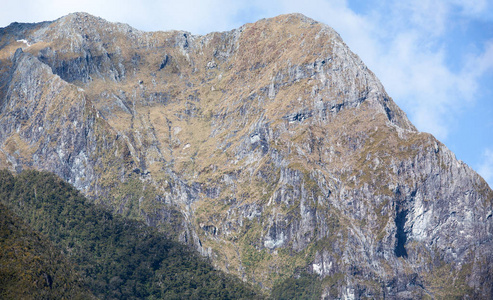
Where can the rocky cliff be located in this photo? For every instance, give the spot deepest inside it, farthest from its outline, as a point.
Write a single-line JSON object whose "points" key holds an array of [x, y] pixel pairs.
{"points": [[271, 148]]}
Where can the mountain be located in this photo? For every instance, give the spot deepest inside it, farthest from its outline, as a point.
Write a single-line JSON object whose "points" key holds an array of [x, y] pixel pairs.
{"points": [[271, 148]]}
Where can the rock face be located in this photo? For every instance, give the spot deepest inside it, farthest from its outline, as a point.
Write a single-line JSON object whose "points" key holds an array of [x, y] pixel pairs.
{"points": [[271, 148]]}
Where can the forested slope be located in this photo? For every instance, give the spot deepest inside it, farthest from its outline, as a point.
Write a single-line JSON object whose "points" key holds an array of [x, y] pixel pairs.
{"points": [[117, 258], [31, 267]]}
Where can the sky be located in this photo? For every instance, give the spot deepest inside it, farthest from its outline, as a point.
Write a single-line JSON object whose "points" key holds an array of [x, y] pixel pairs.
{"points": [[434, 57]]}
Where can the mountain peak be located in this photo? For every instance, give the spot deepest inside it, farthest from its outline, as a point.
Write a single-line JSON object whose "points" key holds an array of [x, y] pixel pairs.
{"points": [[294, 18], [79, 16]]}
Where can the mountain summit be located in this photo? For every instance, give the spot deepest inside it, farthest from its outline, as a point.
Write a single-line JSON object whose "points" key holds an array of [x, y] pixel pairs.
{"points": [[270, 148]]}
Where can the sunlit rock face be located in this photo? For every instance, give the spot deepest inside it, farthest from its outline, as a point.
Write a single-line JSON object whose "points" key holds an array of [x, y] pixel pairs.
{"points": [[271, 148]]}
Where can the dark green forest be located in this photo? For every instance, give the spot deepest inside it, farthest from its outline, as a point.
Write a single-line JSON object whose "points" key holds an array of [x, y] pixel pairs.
{"points": [[31, 267], [115, 257]]}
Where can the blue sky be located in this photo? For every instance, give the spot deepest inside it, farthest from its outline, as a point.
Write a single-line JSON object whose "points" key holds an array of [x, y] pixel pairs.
{"points": [[434, 57]]}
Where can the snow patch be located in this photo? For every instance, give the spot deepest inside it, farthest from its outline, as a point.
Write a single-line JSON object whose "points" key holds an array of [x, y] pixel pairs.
{"points": [[24, 41]]}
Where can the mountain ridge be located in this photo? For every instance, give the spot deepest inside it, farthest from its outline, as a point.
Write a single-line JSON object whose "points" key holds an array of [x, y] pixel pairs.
{"points": [[270, 147]]}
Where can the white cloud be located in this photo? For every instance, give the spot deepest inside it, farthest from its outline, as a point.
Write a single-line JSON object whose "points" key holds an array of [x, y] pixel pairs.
{"points": [[426, 15], [473, 8], [485, 169], [479, 64]]}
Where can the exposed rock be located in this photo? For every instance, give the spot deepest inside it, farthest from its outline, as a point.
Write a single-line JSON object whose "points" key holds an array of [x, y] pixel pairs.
{"points": [[271, 148]]}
